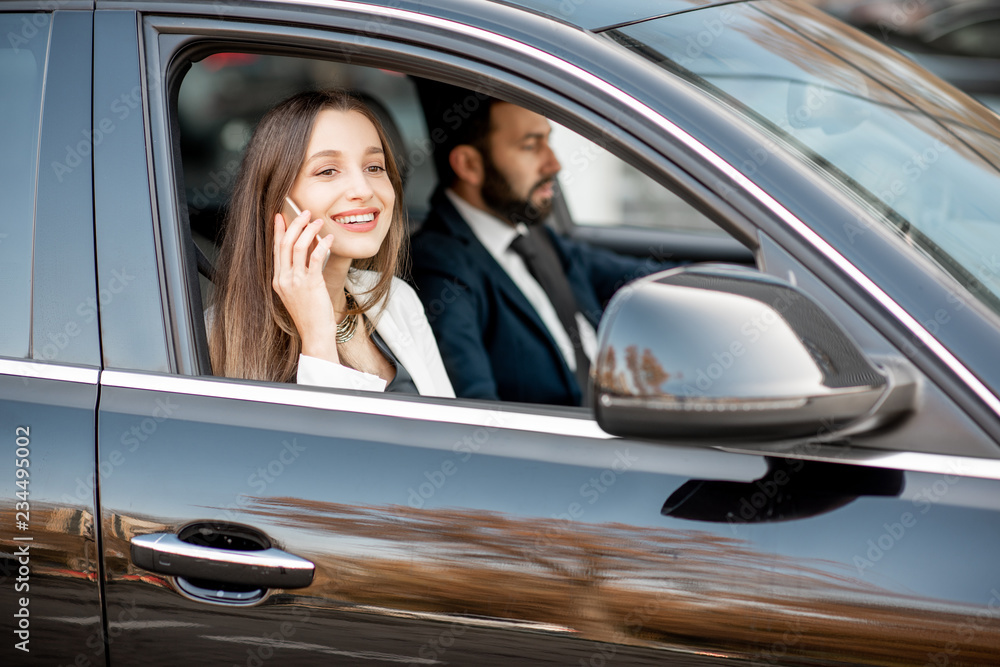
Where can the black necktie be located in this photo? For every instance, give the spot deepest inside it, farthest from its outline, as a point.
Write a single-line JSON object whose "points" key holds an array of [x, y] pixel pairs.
{"points": [[535, 248]]}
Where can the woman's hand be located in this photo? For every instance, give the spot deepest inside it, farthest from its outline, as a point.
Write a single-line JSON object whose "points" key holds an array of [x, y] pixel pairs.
{"points": [[298, 280]]}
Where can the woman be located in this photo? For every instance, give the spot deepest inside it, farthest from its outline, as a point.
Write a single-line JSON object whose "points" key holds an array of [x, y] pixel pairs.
{"points": [[313, 296]]}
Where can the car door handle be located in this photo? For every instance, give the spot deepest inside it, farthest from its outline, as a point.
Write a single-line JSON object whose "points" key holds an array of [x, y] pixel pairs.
{"points": [[166, 553]]}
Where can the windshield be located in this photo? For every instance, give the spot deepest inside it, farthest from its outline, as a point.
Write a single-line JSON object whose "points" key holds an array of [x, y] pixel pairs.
{"points": [[924, 157]]}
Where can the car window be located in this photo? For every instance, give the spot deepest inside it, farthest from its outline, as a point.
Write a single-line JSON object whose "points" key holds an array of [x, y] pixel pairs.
{"points": [[22, 66], [222, 98], [604, 191]]}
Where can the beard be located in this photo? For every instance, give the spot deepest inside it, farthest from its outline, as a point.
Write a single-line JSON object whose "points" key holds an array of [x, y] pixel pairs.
{"points": [[501, 198]]}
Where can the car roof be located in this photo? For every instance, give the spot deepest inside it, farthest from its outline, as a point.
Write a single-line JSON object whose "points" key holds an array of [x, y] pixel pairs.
{"points": [[592, 15], [600, 15]]}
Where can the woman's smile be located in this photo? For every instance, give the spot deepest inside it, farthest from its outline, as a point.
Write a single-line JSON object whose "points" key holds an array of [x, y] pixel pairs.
{"points": [[358, 220]]}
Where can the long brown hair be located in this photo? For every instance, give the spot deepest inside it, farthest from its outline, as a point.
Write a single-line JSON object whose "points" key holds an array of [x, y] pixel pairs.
{"points": [[252, 335]]}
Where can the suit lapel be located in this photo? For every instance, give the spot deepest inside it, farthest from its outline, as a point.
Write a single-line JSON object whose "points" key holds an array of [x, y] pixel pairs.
{"points": [[452, 222], [447, 219], [396, 337]]}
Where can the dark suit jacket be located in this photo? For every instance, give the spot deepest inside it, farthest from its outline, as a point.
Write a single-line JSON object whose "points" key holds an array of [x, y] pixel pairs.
{"points": [[493, 343]]}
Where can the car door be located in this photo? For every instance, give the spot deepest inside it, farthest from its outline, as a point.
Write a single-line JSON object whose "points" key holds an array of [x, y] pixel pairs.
{"points": [[49, 345], [467, 532]]}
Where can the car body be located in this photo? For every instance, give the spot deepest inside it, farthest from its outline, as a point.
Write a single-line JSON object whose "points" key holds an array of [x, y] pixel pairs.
{"points": [[156, 514]]}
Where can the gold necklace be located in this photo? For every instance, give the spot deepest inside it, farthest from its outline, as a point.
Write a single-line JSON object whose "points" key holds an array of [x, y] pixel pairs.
{"points": [[345, 330]]}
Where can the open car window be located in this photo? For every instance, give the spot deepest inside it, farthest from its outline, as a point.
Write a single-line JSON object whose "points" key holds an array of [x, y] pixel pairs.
{"points": [[223, 96]]}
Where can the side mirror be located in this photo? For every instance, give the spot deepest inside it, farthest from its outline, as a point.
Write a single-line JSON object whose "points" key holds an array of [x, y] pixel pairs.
{"points": [[726, 352]]}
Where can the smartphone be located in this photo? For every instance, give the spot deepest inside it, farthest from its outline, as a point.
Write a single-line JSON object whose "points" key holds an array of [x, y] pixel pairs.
{"points": [[290, 206], [290, 211]]}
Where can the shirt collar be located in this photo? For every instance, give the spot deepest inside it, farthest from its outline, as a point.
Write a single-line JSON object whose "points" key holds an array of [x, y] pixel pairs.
{"points": [[495, 234]]}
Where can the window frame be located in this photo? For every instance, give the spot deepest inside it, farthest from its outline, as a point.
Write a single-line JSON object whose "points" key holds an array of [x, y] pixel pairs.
{"points": [[205, 36]]}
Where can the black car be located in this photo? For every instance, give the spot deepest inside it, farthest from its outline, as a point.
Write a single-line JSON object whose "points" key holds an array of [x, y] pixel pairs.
{"points": [[792, 454]]}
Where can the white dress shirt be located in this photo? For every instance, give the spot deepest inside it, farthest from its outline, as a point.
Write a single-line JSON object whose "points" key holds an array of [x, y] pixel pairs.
{"points": [[496, 236], [401, 322]]}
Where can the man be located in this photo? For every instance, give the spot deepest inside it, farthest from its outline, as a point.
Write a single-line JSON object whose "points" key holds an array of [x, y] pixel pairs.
{"points": [[514, 307]]}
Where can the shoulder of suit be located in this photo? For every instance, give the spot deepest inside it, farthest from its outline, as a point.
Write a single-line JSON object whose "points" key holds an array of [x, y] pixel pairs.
{"points": [[438, 252], [432, 235]]}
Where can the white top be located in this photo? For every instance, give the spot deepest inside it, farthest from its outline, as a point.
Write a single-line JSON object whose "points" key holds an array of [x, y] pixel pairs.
{"points": [[496, 236], [401, 322]]}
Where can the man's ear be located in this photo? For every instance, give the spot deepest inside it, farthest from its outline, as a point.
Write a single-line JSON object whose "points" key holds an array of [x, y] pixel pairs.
{"points": [[467, 163]]}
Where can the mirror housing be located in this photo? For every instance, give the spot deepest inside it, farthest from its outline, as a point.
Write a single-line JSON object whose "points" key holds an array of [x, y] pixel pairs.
{"points": [[716, 351]]}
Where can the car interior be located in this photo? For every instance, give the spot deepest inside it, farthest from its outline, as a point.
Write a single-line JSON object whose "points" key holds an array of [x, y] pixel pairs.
{"points": [[601, 198]]}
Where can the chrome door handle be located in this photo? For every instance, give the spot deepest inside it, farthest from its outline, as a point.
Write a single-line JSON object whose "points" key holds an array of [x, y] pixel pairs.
{"points": [[165, 553]]}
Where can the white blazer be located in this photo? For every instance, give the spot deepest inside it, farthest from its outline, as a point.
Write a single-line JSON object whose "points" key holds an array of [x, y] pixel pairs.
{"points": [[401, 322]]}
